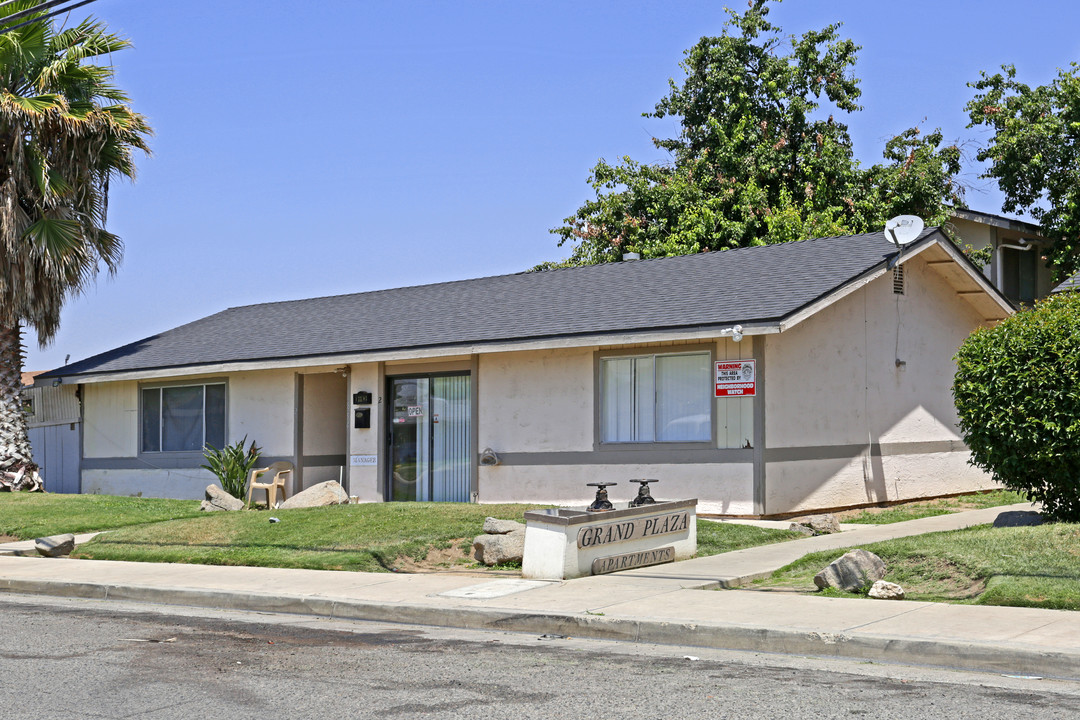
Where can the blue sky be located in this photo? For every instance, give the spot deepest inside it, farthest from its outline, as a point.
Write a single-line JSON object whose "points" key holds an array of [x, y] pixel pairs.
{"points": [[334, 146]]}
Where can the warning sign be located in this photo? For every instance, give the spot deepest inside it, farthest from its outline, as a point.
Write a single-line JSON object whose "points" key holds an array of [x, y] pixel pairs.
{"points": [[736, 378]]}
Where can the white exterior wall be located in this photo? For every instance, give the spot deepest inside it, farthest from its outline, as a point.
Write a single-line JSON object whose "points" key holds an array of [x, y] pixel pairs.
{"points": [[537, 401], [833, 392], [542, 404], [364, 482], [325, 409], [722, 489], [259, 405]]}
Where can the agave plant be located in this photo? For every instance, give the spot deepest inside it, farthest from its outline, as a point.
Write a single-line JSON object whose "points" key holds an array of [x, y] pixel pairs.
{"points": [[232, 465]]}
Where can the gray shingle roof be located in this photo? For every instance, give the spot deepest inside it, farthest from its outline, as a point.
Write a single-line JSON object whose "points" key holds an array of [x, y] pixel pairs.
{"points": [[747, 286]]}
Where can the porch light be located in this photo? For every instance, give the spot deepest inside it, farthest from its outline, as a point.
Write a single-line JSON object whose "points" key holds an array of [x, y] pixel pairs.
{"points": [[735, 333]]}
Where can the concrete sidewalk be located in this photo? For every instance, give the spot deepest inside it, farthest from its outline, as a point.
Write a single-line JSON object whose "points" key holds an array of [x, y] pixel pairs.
{"points": [[663, 604]]}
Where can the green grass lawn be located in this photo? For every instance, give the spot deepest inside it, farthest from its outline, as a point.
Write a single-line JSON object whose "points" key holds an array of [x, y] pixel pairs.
{"points": [[367, 537], [714, 538], [930, 508], [32, 515], [1022, 566]]}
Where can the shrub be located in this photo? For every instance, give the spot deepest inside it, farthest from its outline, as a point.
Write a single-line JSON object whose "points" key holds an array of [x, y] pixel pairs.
{"points": [[1017, 392], [232, 465]]}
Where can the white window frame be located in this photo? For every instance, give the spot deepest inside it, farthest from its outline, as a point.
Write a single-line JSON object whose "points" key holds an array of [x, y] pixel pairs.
{"points": [[162, 453]]}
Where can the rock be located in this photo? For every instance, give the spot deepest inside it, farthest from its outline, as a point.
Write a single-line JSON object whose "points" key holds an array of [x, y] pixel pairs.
{"points": [[822, 524], [218, 499], [499, 549], [495, 526], [56, 545], [883, 590], [1018, 518], [853, 572], [325, 493], [800, 528]]}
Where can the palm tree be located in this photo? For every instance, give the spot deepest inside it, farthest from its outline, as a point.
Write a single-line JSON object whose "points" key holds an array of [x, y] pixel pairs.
{"points": [[65, 132]]}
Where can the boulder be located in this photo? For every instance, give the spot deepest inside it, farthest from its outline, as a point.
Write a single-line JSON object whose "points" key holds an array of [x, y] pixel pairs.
{"points": [[1018, 518], [218, 499], [499, 549], [822, 524], [495, 526], [883, 590], [325, 493], [56, 545], [852, 572], [800, 528]]}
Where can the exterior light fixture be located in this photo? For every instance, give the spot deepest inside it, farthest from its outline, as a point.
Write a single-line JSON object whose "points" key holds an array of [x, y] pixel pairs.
{"points": [[734, 332]]}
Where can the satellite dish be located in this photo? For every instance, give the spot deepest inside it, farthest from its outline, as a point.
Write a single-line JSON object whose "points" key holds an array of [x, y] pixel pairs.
{"points": [[902, 229]]}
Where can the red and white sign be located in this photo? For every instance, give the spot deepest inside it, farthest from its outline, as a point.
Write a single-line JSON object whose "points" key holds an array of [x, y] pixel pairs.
{"points": [[736, 378]]}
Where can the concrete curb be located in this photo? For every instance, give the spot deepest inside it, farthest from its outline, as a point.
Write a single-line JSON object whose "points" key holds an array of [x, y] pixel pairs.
{"points": [[1010, 658]]}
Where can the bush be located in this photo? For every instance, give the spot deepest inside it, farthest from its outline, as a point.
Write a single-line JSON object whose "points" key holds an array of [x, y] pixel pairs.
{"points": [[1017, 392], [232, 465]]}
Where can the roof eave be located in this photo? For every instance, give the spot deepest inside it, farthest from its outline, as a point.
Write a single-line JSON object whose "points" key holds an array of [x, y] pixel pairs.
{"points": [[709, 332]]}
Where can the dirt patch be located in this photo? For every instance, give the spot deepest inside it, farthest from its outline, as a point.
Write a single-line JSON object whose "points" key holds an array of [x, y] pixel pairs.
{"points": [[7, 538], [454, 560]]}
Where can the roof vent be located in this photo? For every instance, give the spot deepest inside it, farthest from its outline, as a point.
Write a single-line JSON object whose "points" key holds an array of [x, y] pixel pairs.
{"points": [[902, 229], [631, 256]]}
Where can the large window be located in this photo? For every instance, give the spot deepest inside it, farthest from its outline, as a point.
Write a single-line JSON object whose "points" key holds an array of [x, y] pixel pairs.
{"points": [[183, 418], [656, 398]]}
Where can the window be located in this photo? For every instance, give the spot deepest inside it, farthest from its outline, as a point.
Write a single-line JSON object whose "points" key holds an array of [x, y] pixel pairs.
{"points": [[656, 398], [183, 418]]}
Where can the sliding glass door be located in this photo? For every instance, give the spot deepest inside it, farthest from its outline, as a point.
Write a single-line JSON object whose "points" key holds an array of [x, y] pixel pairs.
{"points": [[430, 430]]}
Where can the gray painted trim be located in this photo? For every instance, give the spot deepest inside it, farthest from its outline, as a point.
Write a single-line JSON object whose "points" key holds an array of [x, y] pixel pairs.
{"points": [[382, 426], [79, 393], [842, 452], [174, 463], [474, 429], [635, 456], [298, 432], [325, 460], [760, 492]]}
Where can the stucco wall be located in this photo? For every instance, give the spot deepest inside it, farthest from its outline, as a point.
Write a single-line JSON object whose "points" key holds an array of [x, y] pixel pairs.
{"points": [[537, 401], [364, 480], [259, 406], [183, 484], [844, 424], [720, 489], [110, 420]]}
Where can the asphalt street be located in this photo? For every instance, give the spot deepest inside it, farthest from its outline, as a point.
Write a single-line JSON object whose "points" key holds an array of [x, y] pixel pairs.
{"points": [[63, 658]]}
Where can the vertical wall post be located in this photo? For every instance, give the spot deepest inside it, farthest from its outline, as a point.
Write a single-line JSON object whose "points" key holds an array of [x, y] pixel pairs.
{"points": [[760, 493]]}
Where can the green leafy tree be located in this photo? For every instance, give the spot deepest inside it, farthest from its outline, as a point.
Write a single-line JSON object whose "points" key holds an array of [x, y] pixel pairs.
{"points": [[1017, 392], [758, 159], [65, 133], [1034, 153]]}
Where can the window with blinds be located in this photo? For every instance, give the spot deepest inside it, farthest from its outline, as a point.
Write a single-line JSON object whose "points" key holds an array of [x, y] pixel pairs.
{"points": [[656, 398]]}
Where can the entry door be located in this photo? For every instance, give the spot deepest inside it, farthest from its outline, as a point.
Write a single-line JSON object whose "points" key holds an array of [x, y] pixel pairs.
{"points": [[429, 438]]}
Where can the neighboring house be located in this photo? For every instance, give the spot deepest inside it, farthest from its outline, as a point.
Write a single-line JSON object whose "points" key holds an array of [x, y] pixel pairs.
{"points": [[1017, 264], [52, 418], [1072, 283], [573, 376]]}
